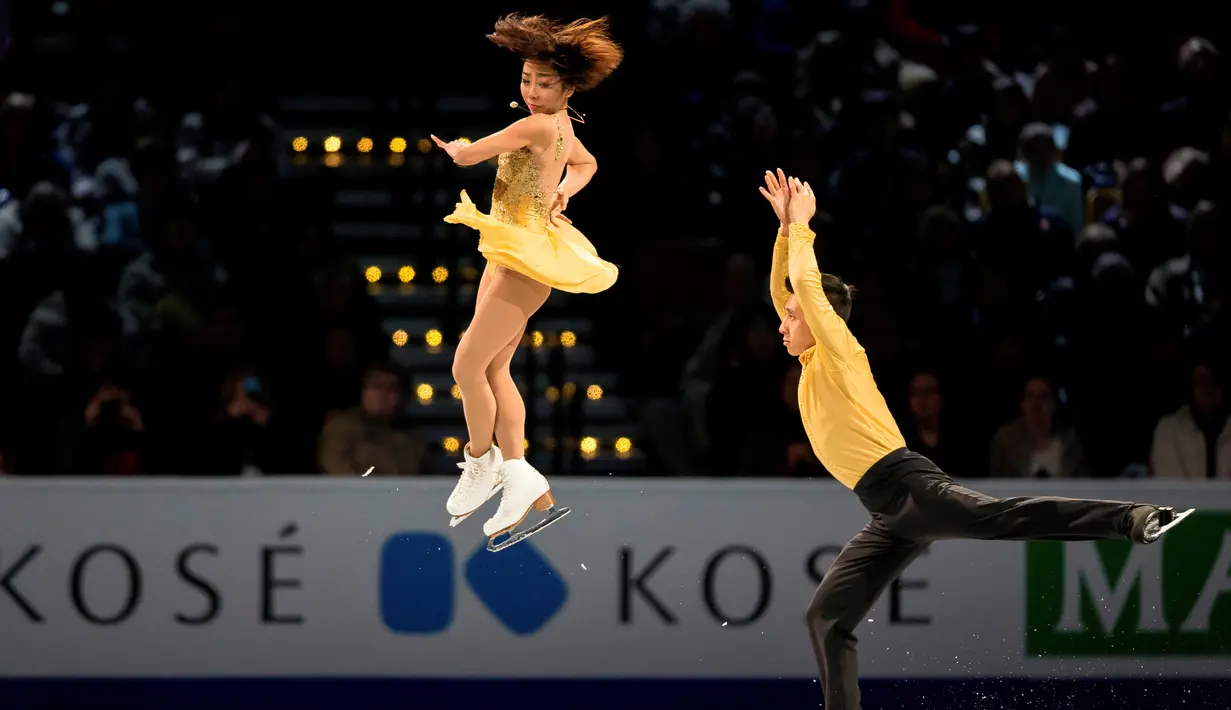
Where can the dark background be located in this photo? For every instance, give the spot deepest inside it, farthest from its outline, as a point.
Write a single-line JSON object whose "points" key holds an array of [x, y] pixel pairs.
{"points": [[880, 105]]}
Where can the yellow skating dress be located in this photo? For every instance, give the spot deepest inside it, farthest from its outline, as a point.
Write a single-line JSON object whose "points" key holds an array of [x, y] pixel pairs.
{"points": [[517, 235]]}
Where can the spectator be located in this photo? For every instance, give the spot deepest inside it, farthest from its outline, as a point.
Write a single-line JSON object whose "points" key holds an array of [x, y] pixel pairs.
{"points": [[242, 442], [1052, 184], [931, 432], [1150, 227], [107, 439], [1034, 445], [369, 435], [1194, 442]]}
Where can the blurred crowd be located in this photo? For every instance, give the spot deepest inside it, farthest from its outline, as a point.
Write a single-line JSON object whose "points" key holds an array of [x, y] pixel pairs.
{"points": [[168, 306], [1034, 215]]}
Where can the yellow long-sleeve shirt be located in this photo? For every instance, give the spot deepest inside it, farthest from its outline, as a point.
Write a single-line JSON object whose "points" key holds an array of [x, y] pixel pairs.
{"points": [[848, 423]]}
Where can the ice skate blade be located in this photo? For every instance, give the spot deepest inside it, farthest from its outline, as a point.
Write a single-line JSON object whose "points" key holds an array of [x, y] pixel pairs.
{"points": [[1178, 519], [553, 515]]}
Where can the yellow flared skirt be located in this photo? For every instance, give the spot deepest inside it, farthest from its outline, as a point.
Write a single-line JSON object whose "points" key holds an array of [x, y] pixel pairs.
{"points": [[560, 257]]}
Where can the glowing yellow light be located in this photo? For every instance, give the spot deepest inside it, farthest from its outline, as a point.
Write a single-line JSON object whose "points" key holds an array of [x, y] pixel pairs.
{"points": [[451, 444], [425, 392], [333, 160], [397, 145], [594, 392], [589, 445], [460, 336], [333, 144], [396, 160], [570, 389], [372, 274], [464, 141], [525, 446], [424, 145], [433, 338], [568, 338], [623, 445], [536, 339], [300, 144], [439, 274], [406, 274], [552, 394], [456, 392], [400, 338], [364, 145]]}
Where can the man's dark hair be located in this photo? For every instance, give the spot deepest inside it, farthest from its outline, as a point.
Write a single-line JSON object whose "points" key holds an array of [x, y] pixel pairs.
{"points": [[1037, 134], [839, 293], [384, 367]]}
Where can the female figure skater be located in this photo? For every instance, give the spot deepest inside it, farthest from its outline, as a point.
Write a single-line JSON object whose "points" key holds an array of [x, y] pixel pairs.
{"points": [[531, 248]]}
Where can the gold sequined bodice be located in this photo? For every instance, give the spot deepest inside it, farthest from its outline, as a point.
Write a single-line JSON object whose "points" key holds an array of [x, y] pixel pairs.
{"points": [[518, 197]]}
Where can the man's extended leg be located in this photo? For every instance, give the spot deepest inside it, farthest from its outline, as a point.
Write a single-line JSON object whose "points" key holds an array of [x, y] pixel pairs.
{"points": [[939, 508], [851, 586]]}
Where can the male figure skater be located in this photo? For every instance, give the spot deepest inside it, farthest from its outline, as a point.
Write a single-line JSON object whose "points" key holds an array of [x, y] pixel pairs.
{"points": [[913, 503]]}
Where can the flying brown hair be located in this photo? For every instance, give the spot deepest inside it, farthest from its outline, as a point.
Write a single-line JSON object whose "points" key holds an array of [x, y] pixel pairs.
{"points": [[581, 52]]}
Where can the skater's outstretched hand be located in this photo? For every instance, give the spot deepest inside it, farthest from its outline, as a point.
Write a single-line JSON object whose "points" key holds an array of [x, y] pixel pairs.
{"points": [[452, 147], [778, 194], [559, 203], [802, 204]]}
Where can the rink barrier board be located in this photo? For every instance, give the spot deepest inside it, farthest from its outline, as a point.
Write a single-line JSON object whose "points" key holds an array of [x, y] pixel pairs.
{"points": [[324, 592]]}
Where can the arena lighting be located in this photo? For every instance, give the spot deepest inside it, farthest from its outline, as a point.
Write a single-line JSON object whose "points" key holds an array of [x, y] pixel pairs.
{"points": [[455, 392], [372, 274], [440, 274], [400, 338], [333, 144], [451, 444], [552, 394], [433, 338], [594, 392], [623, 445], [536, 339], [568, 338], [300, 144], [424, 145], [333, 160], [397, 145], [406, 274], [570, 389], [425, 393]]}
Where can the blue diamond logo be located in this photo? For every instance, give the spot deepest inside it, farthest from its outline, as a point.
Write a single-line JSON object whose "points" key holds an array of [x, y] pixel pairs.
{"points": [[517, 585], [416, 583]]}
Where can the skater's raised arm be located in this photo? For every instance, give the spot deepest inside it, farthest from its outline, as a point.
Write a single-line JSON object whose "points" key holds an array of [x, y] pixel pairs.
{"points": [[827, 326], [778, 196], [778, 292], [531, 130]]}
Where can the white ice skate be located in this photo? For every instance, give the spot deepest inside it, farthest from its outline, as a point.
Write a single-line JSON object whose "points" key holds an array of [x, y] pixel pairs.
{"points": [[480, 480], [524, 489]]}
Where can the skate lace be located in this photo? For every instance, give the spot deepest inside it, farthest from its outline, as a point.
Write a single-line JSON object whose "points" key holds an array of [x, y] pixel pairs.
{"points": [[471, 473], [503, 481]]}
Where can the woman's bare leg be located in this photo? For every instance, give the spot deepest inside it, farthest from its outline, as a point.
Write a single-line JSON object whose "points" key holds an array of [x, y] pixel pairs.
{"points": [[510, 407], [500, 317]]}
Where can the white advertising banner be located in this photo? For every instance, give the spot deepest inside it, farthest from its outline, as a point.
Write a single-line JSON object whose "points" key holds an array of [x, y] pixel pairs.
{"points": [[687, 579]]}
